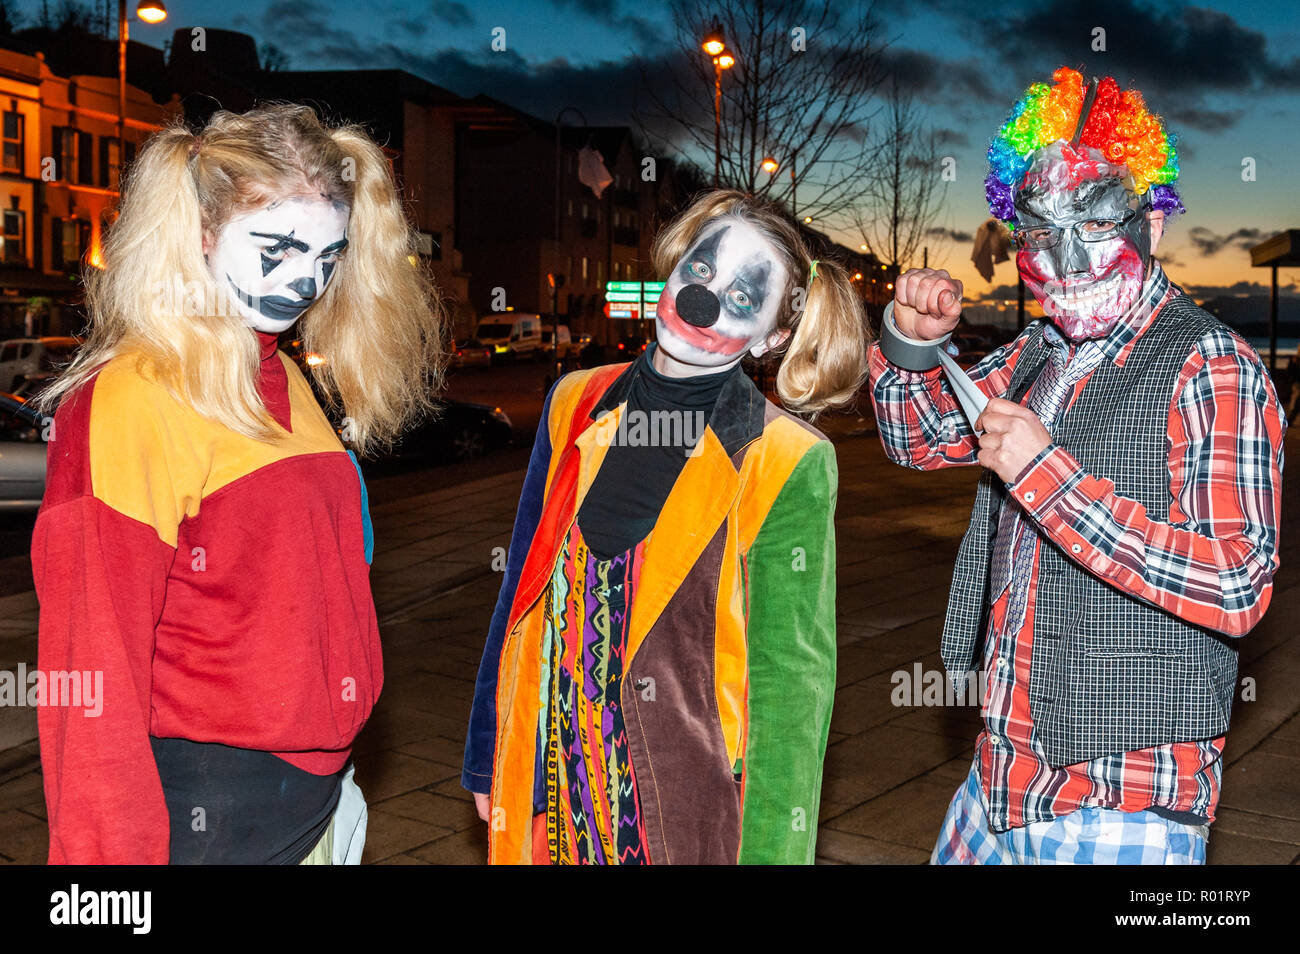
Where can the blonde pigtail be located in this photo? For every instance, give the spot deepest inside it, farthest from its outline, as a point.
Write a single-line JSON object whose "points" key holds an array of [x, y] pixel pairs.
{"points": [[825, 359]]}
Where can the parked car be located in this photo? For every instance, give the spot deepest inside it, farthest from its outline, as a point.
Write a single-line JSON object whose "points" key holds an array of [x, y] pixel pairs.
{"points": [[32, 385], [457, 430], [22, 455], [511, 335], [631, 346], [557, 343], [470, 353], [23, 356]]}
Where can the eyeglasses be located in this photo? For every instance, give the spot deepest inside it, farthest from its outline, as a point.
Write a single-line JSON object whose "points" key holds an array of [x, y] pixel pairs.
{"points": [[1090, 230]]}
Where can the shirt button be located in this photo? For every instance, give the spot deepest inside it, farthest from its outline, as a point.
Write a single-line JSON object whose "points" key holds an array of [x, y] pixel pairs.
{"points": [[1002, 663], [1029, 497], [1076, 548]]}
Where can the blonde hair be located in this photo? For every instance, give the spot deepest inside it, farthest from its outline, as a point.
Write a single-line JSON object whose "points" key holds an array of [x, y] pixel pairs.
{"points": [[824, 358], [377, 325]]}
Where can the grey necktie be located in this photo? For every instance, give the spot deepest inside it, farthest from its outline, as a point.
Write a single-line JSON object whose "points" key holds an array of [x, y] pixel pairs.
{"points": [[1013, 548]]}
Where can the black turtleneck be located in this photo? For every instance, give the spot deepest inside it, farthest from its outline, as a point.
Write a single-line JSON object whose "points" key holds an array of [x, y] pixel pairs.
{"points": [[642, 465]]}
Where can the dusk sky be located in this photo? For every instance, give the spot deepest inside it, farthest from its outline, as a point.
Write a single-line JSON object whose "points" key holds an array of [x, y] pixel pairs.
{"points": [[1225, 76]]}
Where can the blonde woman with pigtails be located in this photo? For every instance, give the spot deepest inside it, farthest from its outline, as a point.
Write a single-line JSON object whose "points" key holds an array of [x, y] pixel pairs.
{"points": [[204, 543], [658, 674]]}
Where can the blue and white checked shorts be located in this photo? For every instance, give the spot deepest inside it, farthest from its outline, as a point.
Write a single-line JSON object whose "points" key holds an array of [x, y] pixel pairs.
{"points": [[1088, 836]]}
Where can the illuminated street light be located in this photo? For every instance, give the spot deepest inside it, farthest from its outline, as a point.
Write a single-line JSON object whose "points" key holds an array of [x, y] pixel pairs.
{"points": [[714, 43], [151, 11]]}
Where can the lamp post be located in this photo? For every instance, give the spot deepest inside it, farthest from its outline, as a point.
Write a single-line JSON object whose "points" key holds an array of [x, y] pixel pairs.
{"points": [[150, 11], [716, 47]]}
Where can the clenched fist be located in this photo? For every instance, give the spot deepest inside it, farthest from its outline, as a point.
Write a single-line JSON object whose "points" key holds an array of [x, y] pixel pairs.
{"points": [[927, 303], [1013, 436]]}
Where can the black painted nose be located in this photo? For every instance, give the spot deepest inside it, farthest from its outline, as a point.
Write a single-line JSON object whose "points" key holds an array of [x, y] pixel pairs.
{"points": [[305, 287], [698, 306]]}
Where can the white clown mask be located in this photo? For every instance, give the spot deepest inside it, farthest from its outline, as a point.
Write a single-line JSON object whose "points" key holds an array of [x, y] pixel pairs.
{"points": [[723, 298], [275, 262]]}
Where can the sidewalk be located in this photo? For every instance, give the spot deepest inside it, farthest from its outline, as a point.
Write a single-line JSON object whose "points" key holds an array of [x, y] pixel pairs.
{"points": [[890, 771]]}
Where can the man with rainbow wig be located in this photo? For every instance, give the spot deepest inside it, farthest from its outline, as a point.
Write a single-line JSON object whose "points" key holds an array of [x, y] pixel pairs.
{"points": [[1124, 532]]}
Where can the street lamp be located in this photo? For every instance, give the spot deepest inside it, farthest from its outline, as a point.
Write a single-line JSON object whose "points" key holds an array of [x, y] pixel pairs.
{"points": [[716, 47], [150, 11], [770, 166], [714, 44]]}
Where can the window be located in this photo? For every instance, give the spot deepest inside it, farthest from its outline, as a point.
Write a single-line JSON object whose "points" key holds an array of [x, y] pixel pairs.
{"points": [[584, 210], [600, 274], [110, 165], [65, 152], [14, 237], [584, 269], [71, 239], [617, 222], [615, 275], [85, 158], [13, 131], [570, 208]]}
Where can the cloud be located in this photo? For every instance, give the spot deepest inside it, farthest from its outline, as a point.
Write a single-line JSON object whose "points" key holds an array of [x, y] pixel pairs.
{"points": [[1237, 290], [934, 80], [1209, 243], [955, 235], [452, 13], [951, 137], [305, 24], [1178, 56]]}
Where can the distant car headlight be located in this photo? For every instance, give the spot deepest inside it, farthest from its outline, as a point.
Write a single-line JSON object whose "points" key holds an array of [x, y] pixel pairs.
{"points": [[500, 415]]}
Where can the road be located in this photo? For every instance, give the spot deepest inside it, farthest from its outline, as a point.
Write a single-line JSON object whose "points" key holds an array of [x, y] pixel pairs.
{"points": [[518, 390]]}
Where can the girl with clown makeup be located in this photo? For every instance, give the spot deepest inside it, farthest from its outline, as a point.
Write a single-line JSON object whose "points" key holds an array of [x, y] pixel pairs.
{"points": [[1124, 533], [204, 541], [657, 681]]}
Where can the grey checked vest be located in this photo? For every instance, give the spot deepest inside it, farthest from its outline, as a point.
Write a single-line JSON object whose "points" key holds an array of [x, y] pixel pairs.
{"points": [[1109, 673]]}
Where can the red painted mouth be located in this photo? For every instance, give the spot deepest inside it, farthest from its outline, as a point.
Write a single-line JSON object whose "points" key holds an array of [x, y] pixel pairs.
{"points": [[701, 338]]}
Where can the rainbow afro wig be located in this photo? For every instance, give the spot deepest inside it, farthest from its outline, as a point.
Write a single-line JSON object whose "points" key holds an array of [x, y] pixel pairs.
{"points": [[1118, 126]]}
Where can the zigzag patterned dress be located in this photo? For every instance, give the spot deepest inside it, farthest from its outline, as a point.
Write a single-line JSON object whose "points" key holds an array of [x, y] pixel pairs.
{"points": [[593, 815]]}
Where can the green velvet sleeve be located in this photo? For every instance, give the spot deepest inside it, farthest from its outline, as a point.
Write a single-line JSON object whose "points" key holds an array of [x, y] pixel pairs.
{"points": [[791, 647]]}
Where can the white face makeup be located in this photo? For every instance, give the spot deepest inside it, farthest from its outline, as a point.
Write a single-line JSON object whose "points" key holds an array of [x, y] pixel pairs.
{"points": [[275, 262], [722, 299]]}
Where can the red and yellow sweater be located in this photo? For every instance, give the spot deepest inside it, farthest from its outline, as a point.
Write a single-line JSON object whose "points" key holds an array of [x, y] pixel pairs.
{"points": [[220, 584]]}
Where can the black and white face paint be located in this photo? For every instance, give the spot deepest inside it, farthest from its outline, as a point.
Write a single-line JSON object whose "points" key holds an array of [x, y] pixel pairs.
{"points": [[723, 298], [276, 261]]}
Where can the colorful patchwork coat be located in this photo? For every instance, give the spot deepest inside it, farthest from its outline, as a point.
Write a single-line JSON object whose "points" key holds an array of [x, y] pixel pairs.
{"points": [[733, 626]]}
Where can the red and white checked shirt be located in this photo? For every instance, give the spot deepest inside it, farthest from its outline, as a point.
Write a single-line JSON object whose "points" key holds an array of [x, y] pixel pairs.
{"points": [[1211, 564]]}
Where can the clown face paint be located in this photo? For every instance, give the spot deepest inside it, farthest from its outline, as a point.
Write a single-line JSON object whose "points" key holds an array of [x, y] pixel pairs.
{"points": [[722, 299], [1098, 240], [276, 261]]}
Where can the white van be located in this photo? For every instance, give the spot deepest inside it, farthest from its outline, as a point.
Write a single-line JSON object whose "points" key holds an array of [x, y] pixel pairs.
{"points": [[511, 335], [557, 343]]}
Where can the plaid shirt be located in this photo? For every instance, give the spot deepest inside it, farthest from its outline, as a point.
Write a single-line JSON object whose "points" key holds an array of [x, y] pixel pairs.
{"points": [[1211, 565]]}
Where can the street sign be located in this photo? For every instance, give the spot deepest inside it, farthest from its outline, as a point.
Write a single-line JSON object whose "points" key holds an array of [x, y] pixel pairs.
{"points": [[621, 311], [630, 300]]}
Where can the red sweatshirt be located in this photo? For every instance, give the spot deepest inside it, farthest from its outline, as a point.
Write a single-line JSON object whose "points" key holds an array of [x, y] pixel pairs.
{"points": [[220, 585]]}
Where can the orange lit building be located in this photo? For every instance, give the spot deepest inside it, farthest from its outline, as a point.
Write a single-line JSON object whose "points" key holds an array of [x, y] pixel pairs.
{"points": [[59, 169]]}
